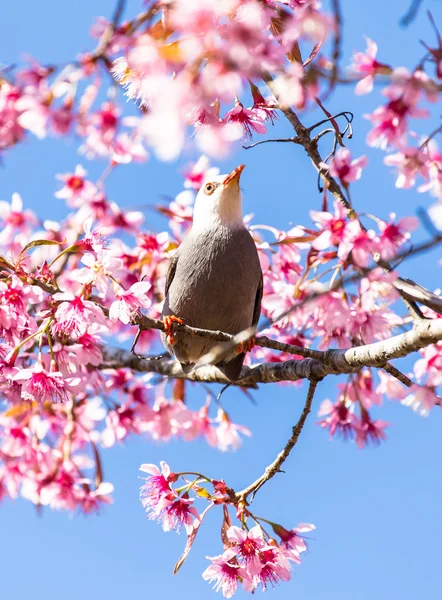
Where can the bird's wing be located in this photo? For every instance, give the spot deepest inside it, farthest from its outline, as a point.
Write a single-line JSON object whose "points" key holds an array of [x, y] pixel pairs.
{"points": [[257, 307], [171, 272]]}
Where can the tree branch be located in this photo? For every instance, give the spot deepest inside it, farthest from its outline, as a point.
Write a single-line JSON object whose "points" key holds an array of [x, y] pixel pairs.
{"points": [[146, 323], [275, 466], [330, 362], [408, 289]]}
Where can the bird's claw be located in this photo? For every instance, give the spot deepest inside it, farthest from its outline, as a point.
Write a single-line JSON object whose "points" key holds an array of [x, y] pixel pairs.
{"points": [[247, 346], [168, 322]]}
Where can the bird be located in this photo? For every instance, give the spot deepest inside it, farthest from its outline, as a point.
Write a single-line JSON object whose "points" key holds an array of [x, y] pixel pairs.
{"points": [[214, 280]]}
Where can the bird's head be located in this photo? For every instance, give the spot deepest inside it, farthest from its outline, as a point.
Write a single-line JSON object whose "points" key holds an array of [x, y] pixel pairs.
{"points": [[219, 202]]}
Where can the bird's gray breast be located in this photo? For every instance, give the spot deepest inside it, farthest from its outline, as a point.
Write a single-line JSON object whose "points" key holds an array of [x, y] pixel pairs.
{"points": [[214, 286]]}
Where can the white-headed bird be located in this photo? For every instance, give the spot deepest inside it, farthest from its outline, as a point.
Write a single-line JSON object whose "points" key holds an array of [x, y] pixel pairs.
{"points": [[214, 280]]}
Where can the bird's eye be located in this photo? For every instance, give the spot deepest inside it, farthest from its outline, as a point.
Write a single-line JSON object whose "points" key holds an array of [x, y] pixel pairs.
{"points": [[209, 188]]}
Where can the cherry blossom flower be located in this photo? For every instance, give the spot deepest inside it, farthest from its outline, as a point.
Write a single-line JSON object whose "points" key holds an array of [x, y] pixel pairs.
{"points": [[343, 167], [361, 389], [358, 243], [11, 131], [74, 315], [391, 387], [410, 162], [99, 267], [410, 87], [394, 235], [200, 424], [275, 566], [292, 539], [368, 431], [227, 432], [91, 500], [157, 492], [390, 124], [333, 227], [421, 400], [226, 573], [41, 385], [76, 189], [248, 545], [199, 172], [179, 513], [34, 114], [129, 301], [430, 365], [15, 219], [340, 419], [289, 88], [365, 63], [249, 119]]}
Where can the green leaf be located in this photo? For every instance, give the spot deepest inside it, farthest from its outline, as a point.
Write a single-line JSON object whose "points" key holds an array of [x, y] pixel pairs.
{"points": [[36, 243]]}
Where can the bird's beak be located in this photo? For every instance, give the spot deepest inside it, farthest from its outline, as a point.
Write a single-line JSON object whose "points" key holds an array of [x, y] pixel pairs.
{"points": [[234, 175]]}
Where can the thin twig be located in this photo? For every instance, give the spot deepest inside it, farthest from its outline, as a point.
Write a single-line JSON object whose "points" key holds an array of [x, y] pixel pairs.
{"points": [[275, 466], [394, 372], [293, 140]]}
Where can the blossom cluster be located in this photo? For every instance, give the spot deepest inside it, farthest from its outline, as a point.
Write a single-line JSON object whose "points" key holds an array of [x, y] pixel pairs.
{"points": [[251, 557], [411, 154], [188, 63]]}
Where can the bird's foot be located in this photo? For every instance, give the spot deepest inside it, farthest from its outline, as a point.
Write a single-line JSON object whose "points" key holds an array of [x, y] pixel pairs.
{"points": [[168, 321], [246, 346]]}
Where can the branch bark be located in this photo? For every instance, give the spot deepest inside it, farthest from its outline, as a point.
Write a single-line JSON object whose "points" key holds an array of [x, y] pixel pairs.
{"points": [[329, 362]]}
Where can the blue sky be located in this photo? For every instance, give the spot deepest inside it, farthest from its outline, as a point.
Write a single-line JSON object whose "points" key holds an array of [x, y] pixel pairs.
{"points": [[377, 511]]}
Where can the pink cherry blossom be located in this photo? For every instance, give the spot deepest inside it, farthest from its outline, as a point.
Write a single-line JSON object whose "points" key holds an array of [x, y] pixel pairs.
{"points": [[394, 235], [368, 431], [340, 419], [333, 227], [74, 315], [76, 189], [410, 162], [293, 540], [11, 131], [365, 64], [199, 172], [421, 400], [249, 119], [35, 114], [41, 385], [410, 87], [157, 491], [358, 243], [346, 169], [226, 573], [391, 387], [179, 513], [430, 365], [248, 546], [129, 301], [390, 124], [227, 433], [275, 567], [14, 219]]}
